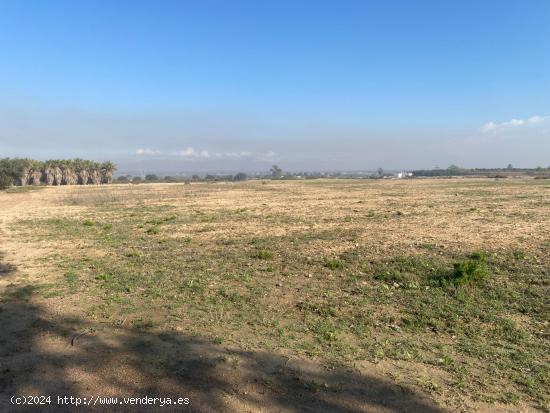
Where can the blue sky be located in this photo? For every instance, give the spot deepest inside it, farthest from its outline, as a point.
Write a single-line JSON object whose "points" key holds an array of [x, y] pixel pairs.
{"points": [[218, 84]]}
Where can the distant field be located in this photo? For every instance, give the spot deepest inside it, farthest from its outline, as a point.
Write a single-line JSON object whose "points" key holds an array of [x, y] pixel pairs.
{"points": [[329, 295]]}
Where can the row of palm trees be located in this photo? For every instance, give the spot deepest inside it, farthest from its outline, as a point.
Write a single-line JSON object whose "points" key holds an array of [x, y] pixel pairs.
{"points": [[77, 171]]}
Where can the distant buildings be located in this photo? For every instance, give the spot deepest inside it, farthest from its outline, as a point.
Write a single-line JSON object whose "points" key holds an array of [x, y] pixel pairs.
{"points": [[400, 175]]}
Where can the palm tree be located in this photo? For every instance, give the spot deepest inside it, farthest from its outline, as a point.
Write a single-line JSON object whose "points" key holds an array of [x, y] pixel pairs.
{"points": [[48, 173], [81, 168], [107, 169], [69, 176], [35, 173], [57, 172], [23, 171], [95, 173]]}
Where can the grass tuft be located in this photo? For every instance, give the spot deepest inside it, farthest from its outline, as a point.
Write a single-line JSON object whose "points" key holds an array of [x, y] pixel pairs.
{"points": [[333, 263], [263, 254]]}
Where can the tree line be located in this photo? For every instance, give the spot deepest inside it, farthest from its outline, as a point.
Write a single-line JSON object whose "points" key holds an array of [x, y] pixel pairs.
{"points": [[454, 170], [24, 171]]}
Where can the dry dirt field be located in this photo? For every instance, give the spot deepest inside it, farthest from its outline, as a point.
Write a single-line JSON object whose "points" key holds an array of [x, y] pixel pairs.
{"points": [[280, 296]]}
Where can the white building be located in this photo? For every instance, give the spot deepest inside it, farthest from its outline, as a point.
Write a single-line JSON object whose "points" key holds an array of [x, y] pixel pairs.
{"points": [[400, 175]]}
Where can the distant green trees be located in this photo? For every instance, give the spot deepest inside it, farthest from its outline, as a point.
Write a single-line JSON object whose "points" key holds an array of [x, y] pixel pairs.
{"points": [[241, 176], [24, 171], [276, 172], [454, 170]]}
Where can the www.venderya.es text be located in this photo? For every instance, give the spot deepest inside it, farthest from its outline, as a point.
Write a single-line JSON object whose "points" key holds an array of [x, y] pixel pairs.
{"points": [[99, 401]]}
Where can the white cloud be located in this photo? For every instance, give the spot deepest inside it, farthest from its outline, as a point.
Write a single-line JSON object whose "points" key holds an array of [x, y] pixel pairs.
{"points": [[191, 153], [492, 126], [537, 119], [266, 157], [489, 126], [262, 157], [233, 155], [147, 151]]}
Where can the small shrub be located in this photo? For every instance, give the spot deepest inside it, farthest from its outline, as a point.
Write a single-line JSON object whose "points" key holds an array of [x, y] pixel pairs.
{"points": [[312, 386], [264, 254], [71, 277], [88, 223], [143, 324], [478, 255], [333, 263], [104, 277], [470, 272], [387, 276], [519, 255], [152, 230]]}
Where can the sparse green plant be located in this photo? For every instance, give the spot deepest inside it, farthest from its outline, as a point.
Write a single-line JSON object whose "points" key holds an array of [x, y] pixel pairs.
{"points": [[333, 263], [263, 254], [313, 386], [143, 324], [479, 256], [519, 255], [72, 280]]}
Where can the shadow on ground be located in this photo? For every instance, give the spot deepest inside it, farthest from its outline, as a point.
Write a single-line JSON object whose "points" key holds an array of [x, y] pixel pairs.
{"points": [[42, 353], [5, 268]]}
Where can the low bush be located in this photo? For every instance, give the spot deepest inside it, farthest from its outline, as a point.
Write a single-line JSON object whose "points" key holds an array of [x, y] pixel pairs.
{"points": [[469, 272]]}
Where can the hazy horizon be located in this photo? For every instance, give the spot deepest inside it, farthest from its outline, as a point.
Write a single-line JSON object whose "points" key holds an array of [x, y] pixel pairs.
{"points": [[211, 86]]}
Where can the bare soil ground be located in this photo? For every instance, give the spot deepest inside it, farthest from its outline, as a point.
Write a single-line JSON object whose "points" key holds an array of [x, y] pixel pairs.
{"points": [[279, 296]]}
